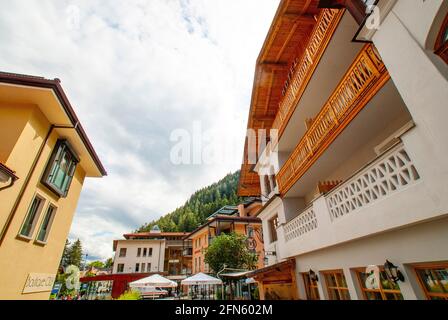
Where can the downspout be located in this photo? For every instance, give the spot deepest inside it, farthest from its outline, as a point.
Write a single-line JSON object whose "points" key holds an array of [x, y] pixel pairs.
{"points": [[27, 180]]}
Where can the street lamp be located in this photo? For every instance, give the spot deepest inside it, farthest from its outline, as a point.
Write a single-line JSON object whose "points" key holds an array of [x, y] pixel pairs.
{"points": [[392, 272], [7, 176]]}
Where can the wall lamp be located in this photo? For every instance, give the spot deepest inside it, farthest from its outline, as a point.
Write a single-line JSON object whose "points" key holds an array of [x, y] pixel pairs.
{"points": [[392, 272], [313, 276], [7, 176]]}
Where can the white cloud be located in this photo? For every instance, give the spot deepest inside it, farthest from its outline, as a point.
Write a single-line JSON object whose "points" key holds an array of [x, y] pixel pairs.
{"points": [[134, 71]]}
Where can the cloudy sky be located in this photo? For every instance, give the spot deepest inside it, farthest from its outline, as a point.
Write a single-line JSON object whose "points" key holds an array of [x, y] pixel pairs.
{"points": [[139, 72]]}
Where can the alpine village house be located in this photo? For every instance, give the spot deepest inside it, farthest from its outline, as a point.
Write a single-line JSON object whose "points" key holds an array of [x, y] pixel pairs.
{"points": [[354, 174], [45, 156]]}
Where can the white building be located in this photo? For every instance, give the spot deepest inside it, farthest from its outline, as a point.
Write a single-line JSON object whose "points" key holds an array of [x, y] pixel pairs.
{"points": [[362, 149], [153, 252]]}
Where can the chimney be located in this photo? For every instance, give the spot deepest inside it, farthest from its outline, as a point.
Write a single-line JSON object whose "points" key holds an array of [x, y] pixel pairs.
{"points": [[242, 210]]}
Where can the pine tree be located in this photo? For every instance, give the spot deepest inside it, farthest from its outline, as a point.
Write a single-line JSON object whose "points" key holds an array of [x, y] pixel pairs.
{"points": [[75, 254], [199, 207]]}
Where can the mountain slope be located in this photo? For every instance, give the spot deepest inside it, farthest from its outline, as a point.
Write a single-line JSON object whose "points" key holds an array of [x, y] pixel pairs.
{"points": [[200, 205]]}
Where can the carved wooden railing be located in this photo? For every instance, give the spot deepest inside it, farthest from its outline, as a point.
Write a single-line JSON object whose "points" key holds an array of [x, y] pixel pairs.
{"points": [[321, 35], [364, 78]]}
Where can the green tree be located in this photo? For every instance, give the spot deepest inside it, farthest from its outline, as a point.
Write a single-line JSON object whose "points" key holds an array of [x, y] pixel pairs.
{"points": [[97, 264], [75, 254], [230, 250], [109, 262], [65, 255]]}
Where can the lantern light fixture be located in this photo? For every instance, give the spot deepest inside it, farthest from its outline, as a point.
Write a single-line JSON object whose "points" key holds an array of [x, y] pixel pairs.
{"points": [[313, 276], [392, 272]]}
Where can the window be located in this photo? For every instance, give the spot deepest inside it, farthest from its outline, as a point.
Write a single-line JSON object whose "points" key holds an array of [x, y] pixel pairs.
{"points": [[145, 251], [312, 292], [441, 47], [434, 280], [46, 224], [137, 267], [32, 217], [148, 267], [336, 285], [387, 290], [139, 252], [120, 268], [123, 252], [267, 186], [150, 252], [61, 168], [143, 267], [273, 225]]}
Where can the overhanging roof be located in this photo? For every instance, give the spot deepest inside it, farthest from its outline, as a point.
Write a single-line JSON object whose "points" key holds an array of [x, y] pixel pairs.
{"points": [[286, 41], [21, 82]]}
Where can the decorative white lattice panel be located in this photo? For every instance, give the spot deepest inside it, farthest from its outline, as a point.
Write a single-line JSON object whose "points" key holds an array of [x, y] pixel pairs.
{"points": [[303, 223], [389, 174]]}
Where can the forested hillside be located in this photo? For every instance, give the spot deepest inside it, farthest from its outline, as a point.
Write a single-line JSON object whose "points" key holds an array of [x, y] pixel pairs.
{"points": [[200, 205]]}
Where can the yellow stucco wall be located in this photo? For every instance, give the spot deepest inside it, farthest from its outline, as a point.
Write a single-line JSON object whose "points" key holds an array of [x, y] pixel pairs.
{"points": [[19, 258]]}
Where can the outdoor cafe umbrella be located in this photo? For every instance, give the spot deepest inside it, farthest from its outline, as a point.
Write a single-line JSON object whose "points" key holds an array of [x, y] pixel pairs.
{"points": [[154, 281], [201, 279]]}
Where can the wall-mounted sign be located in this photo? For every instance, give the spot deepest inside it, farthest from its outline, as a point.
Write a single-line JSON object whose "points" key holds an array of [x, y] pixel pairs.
{"points": [[251, 243], [37, 282]]}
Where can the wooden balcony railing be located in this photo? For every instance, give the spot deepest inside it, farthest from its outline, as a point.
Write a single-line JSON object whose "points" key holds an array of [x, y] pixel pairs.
{"points": [[322, 33], [362, 81]]}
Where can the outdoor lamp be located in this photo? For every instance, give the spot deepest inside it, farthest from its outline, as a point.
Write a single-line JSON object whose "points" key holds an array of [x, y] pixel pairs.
{"points": [[6, 176], [313, 276], [392, 272]]}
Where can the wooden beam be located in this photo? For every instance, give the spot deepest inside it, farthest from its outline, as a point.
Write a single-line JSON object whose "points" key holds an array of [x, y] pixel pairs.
{"points": [[273, 66]]}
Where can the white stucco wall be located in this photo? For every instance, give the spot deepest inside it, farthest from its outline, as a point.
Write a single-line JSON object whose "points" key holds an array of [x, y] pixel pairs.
{"points": [[131, 259]]}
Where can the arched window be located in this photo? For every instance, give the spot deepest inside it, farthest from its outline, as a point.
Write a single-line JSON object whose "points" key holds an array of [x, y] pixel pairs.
{"points": [[441, 47]]}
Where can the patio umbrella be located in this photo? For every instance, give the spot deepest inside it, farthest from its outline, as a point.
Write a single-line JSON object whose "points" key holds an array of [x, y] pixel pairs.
{"points": [[201, 279], [154, 281]]}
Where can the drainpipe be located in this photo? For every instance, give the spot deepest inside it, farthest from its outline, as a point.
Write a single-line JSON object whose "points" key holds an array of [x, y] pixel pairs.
{"points": [[28, 178]]}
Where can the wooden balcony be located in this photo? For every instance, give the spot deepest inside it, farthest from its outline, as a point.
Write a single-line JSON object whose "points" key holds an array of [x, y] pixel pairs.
{"points": [[323, 31], [365, 77]]}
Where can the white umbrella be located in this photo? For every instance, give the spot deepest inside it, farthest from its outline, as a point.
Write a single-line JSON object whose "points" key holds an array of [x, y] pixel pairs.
{"points": [[250, 281], [201, 279], [154, 281]]}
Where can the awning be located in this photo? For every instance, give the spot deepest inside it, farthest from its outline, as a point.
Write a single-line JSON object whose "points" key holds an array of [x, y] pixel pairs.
{"points": [[239, 274], [201, 279], [154, 281]]}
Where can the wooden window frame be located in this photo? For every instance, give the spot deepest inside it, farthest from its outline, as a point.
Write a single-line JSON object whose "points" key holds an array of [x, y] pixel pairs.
{"points": [[381, 290], [125, 253], [273, 225], [50, 223], [62, 148], [338, 288], [118, 268], [310, 287], [29, 237], [441, 46], [429, 265]]}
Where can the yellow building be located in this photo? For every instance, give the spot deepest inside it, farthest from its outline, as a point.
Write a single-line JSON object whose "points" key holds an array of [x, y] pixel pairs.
{"points": [[45, 155]]}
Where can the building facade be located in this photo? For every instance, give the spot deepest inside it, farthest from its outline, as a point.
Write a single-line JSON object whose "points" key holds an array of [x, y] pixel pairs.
{"points": [[238, 219], [45, 156], [354, 176], [153, 252]]}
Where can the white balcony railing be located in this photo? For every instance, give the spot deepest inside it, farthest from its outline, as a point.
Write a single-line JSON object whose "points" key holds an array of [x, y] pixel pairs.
{"points": [[388, 174], [303, 223]]}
